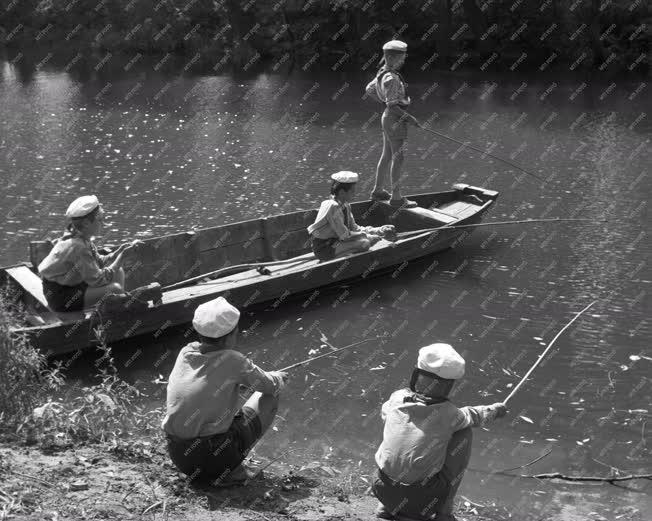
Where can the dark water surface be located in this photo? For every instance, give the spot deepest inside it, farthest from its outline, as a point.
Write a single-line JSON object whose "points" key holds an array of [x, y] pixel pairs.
{"points": [[166, 154]]}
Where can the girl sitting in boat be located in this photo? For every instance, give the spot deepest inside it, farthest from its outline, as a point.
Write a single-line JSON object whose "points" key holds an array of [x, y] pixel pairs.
{"points": [[335, 232], [75, 276]]}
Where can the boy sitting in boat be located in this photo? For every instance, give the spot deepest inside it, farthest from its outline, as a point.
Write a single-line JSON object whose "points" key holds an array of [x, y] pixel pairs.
{"points": [[209, 434], [427, 440], [335, 232], [75, 276]]}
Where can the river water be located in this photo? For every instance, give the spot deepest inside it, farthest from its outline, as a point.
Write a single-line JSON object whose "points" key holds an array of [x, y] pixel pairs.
{"points": [[169, 152]]}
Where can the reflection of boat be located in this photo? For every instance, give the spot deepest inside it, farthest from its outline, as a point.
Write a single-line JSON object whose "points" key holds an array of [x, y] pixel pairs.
{"points": [[174, 258]]}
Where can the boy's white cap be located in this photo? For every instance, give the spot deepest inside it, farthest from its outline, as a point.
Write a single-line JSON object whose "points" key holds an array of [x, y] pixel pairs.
{"points": [[442, 360], [82, 206], [395, 45], [345, 177], [215, 318]]}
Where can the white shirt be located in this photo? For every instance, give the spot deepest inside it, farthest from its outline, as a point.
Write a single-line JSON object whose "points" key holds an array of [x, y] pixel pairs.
{"points": [[202, 391], [416, 435]]}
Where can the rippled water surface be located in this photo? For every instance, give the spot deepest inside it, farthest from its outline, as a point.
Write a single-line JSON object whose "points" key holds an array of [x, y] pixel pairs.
{"points": [[168, 153]]}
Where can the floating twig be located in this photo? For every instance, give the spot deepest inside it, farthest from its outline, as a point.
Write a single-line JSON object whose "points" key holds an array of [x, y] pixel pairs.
{"points": [[472, 503], [283, 454], [523, 466], [607, 479], [151, 507], [643, 433]]}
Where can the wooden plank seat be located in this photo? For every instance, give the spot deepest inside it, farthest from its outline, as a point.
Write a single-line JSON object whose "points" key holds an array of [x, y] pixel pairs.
{"points": [[435, 213], [33, 288], [458, 209], [31, 284]]}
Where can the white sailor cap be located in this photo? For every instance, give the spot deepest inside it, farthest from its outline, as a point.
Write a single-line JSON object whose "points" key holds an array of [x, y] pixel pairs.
{"points": [[395, 45], [215, 318], [82, 206], [345, 177], [442, 360]]}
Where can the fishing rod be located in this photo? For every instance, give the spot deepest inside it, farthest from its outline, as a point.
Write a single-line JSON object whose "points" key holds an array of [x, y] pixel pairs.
{"points": [[544, 353], [439, 134], [404, 235], [331, 353]]}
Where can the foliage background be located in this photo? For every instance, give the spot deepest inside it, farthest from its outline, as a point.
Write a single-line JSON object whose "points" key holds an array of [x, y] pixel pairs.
{"points": [[601, 35]]}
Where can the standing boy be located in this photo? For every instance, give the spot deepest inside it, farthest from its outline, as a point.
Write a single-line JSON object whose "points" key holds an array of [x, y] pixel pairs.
{"points": [[391, 89]]}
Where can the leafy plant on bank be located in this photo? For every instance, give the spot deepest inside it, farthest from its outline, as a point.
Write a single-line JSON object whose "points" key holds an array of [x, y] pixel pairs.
{"points": [[35, 408], [25, 378]]}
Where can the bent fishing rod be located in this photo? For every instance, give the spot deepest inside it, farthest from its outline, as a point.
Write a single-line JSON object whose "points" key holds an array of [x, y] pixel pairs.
{"points": [[544, 353], [484, 152]]}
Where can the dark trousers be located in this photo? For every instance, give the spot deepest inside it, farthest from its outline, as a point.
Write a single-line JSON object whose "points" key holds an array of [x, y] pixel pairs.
{"points": [[212, 458], [424, 500]]}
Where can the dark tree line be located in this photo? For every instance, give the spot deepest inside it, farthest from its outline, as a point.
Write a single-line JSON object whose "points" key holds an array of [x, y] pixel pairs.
{"points": [[604, 35]]}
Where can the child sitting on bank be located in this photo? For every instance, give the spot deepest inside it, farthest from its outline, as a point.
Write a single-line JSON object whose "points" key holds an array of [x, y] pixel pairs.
{"points": [[427, 440]]}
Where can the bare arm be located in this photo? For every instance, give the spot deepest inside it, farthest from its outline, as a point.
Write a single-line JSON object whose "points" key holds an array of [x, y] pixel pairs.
{"points": [[89, 270], [267, 382], [479, 415]]}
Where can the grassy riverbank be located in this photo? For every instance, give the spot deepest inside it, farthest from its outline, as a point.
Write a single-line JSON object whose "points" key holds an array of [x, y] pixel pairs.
{"points": [[93, 452]]}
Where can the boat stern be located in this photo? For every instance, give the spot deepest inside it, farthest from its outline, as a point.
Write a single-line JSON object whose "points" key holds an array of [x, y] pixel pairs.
{"points": [[483, 194]]}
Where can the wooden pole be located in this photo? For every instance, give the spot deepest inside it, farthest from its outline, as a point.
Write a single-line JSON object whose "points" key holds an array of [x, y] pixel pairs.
{"points": [[544, 353], [229, 270]]}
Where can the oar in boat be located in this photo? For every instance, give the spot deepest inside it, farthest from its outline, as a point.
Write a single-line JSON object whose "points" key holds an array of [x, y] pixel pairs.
{"points": [[331, 352], [228, 270], [545, 351], [484, 152], [425, 231]]}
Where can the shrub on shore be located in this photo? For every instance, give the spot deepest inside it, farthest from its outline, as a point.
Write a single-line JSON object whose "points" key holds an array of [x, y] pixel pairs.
{"points": [[37, 409], [24, 375]]}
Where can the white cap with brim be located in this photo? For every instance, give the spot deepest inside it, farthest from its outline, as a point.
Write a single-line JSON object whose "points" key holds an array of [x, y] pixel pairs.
{"points": [[215, 318], [395, 45], [441, 360], [82, 206], [345, 177]]}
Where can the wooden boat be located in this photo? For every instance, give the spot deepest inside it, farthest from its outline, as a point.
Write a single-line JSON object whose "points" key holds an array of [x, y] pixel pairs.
{"points": [[173, 258]]}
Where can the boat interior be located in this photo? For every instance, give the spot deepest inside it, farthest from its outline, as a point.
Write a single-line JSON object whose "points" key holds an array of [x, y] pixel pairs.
{"points": [[178, 257]]}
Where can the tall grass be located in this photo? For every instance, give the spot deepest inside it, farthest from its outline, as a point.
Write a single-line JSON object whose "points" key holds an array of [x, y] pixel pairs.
{"points": [[24, 374], [39, 407]]}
